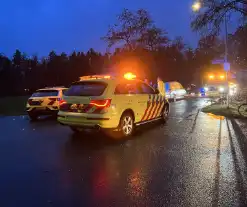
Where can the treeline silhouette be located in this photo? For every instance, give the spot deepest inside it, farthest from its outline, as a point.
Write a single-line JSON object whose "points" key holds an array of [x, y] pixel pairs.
{"points": [[22, 74], [149, 55]]}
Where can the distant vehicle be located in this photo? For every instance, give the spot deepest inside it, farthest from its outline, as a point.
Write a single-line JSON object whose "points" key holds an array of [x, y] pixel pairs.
{"points": [[45, 101], [194, 90], [112, 103], [174, 90], [215, 84]]}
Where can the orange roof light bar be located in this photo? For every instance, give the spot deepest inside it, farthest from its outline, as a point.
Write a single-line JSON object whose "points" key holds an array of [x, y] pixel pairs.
{"points": [[222, 77], [107, 76], [211, 76], [129, 76], [93, 77]]}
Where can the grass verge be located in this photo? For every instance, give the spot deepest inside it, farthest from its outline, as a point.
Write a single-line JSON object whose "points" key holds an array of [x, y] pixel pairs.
{"points": [[222, 110], [13, 106]]}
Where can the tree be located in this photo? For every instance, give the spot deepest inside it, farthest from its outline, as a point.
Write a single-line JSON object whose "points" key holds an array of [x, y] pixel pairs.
{"points": [[153, 38], [238, 47], [17, 58], [212, 14], [129, 29]]}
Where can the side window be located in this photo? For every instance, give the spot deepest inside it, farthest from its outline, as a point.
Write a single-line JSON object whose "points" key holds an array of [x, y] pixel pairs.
{"points": [[129, 88], [146, 89]]}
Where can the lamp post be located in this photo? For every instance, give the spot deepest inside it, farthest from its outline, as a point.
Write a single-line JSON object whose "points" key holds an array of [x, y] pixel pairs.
{"points": [[196, 6], [226, 57]]}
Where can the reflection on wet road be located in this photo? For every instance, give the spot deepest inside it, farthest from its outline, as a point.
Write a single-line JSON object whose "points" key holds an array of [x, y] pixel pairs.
{"points": [[194, 160]]}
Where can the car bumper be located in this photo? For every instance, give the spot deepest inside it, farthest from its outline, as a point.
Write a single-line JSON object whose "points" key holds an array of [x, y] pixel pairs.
{"points": [[42, 110], [87, 120]]}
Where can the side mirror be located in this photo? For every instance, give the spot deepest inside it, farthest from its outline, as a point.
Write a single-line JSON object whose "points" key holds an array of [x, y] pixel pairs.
{"points": [[157, 91]]}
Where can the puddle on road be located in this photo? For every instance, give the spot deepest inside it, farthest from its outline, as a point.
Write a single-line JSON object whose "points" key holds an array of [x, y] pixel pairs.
{"points": [[213, 116]]}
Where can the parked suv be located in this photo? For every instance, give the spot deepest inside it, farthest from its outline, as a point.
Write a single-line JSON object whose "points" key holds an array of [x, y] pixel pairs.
{"points": [[105, 102], [45, 101]]}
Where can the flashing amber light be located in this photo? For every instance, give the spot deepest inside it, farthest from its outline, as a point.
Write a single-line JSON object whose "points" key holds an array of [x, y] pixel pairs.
{"points": [[107, 76], [211, 77], [129, 76], [101, 103], [222, 77]]}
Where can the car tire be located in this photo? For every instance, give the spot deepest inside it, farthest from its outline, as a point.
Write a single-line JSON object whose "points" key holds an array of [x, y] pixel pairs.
{"points": [[33, 116], [165, 113], [126, 125]]}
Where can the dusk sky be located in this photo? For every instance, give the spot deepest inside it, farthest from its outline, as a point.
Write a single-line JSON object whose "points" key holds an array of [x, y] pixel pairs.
{"points": [[39, 26]]}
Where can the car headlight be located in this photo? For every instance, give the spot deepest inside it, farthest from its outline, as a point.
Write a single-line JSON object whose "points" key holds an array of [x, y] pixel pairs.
{"points": [[221, 89]]}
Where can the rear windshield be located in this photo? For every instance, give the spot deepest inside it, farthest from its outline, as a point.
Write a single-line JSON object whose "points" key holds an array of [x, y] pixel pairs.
{"points": [[86, 88], [43, 93]]}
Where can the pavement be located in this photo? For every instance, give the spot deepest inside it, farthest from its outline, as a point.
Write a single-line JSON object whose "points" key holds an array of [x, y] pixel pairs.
{"points": [[195, 159]]}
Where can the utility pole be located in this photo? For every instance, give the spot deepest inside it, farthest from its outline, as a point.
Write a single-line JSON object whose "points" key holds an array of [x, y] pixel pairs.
{"points": [[226, 57]]}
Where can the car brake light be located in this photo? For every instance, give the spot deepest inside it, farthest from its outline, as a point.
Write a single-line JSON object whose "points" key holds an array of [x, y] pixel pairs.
{"points": [[61, 101], [30, 101], [101, 103]]}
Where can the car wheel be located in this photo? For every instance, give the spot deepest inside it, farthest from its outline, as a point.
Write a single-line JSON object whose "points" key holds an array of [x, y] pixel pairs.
{"points": [[33, 116], [165, 113], [126, 125]]}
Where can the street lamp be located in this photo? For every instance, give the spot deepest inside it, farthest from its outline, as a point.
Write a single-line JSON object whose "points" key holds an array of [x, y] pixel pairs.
{"points": [[196, 6]]}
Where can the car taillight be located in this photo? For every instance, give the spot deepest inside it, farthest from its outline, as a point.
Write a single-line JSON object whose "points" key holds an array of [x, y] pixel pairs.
{"points": [[61, 101], [30, 101], [101, 103]]}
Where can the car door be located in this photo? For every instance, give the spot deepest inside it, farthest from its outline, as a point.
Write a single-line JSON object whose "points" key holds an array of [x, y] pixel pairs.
{"points": [[148, 102], [125, 97]]}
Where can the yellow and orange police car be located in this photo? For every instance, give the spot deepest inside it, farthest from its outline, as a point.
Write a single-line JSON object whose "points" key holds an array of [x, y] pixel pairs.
{"points": [[108, 102], [45, 101]]}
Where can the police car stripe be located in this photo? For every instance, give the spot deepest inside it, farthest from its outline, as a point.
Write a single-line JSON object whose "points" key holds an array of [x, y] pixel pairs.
{"points": [[156, 106], [159, 102], [147, 108], [157, 114], [160, 108], [51, 103], [152, 107]]}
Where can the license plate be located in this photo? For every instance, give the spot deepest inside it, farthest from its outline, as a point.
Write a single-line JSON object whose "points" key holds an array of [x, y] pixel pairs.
{"points": [[41, 108], [35, 103]]}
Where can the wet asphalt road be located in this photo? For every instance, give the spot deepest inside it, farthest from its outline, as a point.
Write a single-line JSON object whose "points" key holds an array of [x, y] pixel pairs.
{"points": [[194, 160]]}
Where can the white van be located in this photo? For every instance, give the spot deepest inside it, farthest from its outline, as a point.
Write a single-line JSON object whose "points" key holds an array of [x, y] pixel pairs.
{"points": [[174, 89]]}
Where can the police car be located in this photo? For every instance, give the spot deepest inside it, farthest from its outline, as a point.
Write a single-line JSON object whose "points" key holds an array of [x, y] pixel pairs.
{"points": [[45, 101], [107, 102]]}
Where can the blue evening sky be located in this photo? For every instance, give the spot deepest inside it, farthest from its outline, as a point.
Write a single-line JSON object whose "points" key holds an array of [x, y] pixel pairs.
{"points": [[39, 26]]}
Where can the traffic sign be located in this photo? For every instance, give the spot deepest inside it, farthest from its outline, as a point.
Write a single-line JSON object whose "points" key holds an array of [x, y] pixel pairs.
{"points": [[227, 66], [219, 61]]}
